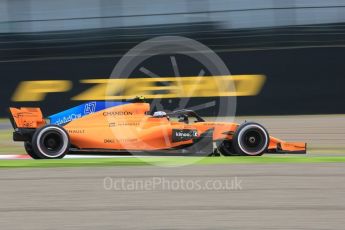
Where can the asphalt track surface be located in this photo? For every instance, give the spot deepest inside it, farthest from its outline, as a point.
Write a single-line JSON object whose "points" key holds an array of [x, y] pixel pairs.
{"points": [[270, 196]]}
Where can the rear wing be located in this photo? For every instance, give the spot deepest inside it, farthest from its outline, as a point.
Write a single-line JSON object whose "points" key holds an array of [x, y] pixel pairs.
{"points": [[26, 118]]}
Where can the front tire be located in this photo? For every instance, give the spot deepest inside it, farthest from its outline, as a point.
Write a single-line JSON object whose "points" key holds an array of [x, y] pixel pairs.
{"points": [[226, 148], [250, 139], [49, 142]]}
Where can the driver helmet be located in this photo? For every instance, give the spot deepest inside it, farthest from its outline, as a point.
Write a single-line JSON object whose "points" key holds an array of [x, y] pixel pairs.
{"points": [[160, 114]]}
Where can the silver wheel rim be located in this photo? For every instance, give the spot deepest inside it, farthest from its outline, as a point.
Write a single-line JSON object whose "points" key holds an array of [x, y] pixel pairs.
{"points": [[240, 140], [64, 139]]}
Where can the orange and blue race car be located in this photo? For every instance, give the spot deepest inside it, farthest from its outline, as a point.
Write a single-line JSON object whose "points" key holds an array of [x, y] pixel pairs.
{"points": [[118, 127]]}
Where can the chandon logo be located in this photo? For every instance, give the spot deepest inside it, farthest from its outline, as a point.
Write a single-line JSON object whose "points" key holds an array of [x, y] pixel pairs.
{"points": [[118, 113]]}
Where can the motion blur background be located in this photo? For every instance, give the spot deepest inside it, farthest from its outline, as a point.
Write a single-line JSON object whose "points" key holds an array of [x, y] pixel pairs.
{"points": [[297, 44]]}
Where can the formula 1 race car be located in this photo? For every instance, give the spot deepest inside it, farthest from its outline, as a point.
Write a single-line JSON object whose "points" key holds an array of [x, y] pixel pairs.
{"points": [[117, 127]]}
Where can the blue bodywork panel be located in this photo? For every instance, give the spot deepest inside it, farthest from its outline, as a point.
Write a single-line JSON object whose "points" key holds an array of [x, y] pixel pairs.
{"points": [[82, 110]]}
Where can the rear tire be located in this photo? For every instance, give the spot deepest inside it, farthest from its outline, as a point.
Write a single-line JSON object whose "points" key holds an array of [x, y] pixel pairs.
{"points": [[29, 150], [49, 142]]}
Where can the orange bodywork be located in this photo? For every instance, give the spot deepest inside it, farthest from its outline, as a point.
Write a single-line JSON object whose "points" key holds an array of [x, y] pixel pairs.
{"points": [[27, 117], [129, 127]]}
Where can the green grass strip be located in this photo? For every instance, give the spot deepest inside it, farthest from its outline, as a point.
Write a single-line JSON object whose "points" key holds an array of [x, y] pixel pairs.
{"points": [[168, 161]]}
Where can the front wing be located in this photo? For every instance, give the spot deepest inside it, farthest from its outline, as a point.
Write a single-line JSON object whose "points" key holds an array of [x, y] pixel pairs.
{"points": [[278, 146]]}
